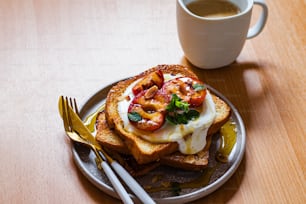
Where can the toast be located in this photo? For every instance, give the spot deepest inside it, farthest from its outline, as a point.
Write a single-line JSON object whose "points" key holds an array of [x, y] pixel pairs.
{"points": [[142, 150], [116, 148], [112, 135], [110, 140]]}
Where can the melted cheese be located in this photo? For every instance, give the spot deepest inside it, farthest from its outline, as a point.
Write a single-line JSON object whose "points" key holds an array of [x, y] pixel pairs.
{"points": [[191, 137]]}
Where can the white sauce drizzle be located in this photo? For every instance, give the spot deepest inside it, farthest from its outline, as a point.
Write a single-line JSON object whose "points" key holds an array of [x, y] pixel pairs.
{"points": [[191, 137]]}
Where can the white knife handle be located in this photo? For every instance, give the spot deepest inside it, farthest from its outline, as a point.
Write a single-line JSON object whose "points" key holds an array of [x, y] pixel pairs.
{"points": [[116, 184], [132, 183]]}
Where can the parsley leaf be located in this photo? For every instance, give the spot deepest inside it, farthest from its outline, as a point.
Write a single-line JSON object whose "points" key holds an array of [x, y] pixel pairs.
{"points": [[171, 119], [182, 105], [134, 116], [177, 103], [198, 87], [192, 114], [178, 111]]}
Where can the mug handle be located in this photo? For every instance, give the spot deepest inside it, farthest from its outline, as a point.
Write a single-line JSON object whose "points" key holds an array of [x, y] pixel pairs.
{"points": [[257, 28]]}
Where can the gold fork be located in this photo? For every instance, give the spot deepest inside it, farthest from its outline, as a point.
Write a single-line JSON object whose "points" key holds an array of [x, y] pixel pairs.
{"points": [[68, 125], [125, 176]]}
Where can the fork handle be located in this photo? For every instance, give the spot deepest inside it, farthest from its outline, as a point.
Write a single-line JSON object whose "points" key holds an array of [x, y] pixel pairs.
{"points": [[132, 183], [116, 184]]}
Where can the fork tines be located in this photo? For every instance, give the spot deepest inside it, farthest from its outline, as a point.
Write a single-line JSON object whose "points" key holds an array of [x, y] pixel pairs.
{"points": [[66, 103]]}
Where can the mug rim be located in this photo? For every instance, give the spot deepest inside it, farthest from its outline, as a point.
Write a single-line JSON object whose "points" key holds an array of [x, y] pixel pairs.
{"points": [[248, 8]]}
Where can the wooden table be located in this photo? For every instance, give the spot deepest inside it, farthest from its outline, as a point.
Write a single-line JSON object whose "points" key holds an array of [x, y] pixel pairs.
{"points": [[74, 48]]}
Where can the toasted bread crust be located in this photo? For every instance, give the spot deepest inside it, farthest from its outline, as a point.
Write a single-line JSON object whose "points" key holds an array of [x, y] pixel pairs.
{"points": [[126, 142], [194, 162], [116, 148], [110, 139], [223, 113], [130, 164], [142, 150], [107, 137]]}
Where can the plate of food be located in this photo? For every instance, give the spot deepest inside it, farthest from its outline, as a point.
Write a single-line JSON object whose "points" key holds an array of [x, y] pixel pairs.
{"points": [[180, 138]]}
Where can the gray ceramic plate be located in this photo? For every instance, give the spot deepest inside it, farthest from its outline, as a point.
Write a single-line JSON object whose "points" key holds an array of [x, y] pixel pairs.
{"points": [[85, 161]]}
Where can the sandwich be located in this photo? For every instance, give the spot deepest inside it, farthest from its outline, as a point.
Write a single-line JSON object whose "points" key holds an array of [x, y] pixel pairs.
{"points": [[162, 116]]}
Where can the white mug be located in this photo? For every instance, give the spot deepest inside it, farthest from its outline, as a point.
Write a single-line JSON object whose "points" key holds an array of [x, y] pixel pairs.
{"points": [[216, 42]]}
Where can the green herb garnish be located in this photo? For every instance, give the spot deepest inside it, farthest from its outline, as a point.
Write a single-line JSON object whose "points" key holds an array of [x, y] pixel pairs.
{"points": [[198, 87], [177, 103], [179, 112], [192, 114], [134, 116]]}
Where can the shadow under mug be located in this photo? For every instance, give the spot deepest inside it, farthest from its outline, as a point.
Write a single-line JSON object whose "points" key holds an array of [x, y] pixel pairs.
{"points": [[216, 42]]}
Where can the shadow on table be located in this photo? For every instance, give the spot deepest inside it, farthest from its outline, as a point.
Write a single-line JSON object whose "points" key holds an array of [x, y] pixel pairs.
{"points": [[241, 84]]}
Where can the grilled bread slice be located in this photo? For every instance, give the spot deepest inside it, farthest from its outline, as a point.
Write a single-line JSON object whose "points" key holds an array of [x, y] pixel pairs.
{"points": [[142, 150], [110, 140], [193, 162], [116, 148]]}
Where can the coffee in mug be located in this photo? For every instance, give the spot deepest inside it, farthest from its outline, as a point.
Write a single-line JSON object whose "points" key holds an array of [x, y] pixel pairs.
{"points": [[213, 8], [210, 36]]}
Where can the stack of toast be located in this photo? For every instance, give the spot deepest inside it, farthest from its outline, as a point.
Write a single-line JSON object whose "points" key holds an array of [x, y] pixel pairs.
{"points": [[140, 156]]}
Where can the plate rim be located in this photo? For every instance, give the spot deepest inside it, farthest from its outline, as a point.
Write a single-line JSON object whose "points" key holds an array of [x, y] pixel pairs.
{"points": [[199, 193]]}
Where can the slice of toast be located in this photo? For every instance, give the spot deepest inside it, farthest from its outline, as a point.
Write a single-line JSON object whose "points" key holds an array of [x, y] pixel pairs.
{"points": [[130, 164], [110, 140], [116, 148], [193, 162], [142, 150]]}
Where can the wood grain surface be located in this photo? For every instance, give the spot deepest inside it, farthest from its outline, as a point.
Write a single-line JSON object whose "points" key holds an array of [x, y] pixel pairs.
{"points": [[76, 47]]}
